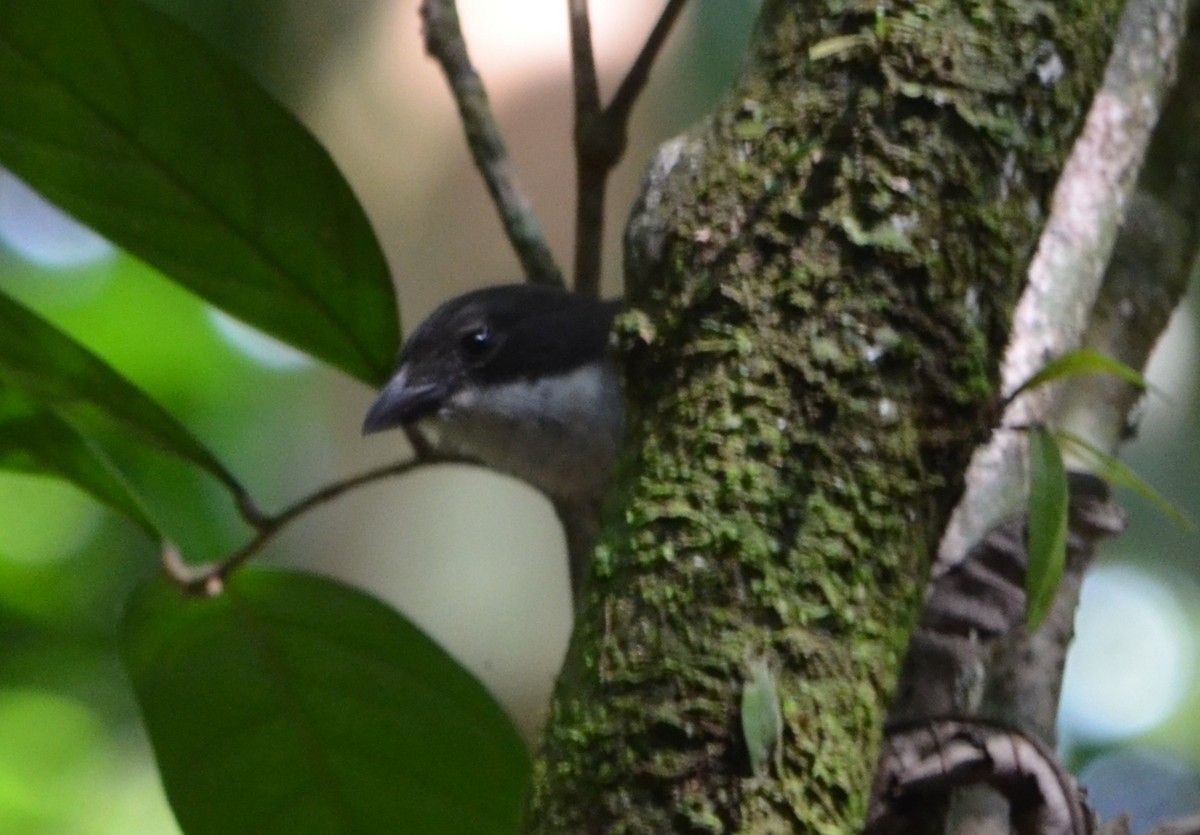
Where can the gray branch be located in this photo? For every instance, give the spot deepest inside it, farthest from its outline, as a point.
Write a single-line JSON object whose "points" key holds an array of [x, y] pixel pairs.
{"points": [[1017, 679], [444, 41]]}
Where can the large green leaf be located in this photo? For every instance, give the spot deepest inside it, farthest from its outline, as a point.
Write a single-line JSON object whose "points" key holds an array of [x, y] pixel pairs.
{"points": [[56, 370], [290, 703], [35, 440], [130, 122], [1049, 507]]}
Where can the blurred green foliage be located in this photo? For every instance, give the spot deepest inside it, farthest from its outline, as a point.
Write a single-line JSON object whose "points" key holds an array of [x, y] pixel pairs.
{"points": [[72, 757], [73, 760]]}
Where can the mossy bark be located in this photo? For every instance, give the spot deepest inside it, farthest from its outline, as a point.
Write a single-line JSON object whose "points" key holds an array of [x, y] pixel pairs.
{"points": [[820, 280]]}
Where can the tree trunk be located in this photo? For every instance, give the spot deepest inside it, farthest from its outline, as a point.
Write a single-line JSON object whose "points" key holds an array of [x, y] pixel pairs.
{"points": [[821, 278]]}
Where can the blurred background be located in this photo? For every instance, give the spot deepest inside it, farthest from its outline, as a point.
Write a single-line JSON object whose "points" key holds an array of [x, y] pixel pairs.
{"points": [[476, 559]]}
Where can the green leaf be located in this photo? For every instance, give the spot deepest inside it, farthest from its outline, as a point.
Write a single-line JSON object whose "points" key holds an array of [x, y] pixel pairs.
{"points": [[1114, 471], [131, 123], [1082, 361], [290, 703], [762, 717], [60, 373], [1048, 508], [35, 440]]}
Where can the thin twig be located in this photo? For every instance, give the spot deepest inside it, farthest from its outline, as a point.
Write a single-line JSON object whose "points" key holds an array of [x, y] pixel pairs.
{"points": [[601, 133], [251, 513], [583, 60], [590, 187], [444, 41], [590, 156], [635, 80], [421, 446], [210, 579]]}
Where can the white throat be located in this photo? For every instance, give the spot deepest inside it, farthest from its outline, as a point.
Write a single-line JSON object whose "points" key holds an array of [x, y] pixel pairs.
{"points": [[559, 434]]}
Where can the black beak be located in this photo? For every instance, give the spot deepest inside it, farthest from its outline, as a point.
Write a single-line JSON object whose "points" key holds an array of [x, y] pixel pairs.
{"points": [[402, 401]]}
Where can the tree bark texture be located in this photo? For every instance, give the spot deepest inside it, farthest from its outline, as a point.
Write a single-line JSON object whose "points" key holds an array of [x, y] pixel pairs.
{"points": [[820, 281]]}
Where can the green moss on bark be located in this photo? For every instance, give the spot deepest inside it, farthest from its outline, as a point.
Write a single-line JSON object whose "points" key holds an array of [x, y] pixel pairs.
{"points": [[823, 283]]}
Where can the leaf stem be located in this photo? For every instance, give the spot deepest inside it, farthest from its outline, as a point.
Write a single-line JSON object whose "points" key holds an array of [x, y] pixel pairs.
{"points": [[210, 579]]}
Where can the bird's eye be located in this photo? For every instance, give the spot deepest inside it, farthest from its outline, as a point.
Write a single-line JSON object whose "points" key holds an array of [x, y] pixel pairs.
{"points": [[476, 341]]}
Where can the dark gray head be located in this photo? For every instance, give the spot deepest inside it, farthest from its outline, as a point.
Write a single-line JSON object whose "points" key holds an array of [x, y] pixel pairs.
{"points": [[488, 338]]}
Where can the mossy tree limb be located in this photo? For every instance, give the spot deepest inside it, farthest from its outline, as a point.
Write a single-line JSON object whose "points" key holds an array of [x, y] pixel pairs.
{"points": [[821, 277]]}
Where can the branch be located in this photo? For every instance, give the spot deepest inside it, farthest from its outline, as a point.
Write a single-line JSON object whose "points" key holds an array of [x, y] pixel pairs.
{"points": [[635, 80], [444, 41], [1142, 286], [210, 579], [1019, 678], [593, 159], [1074, 249], [602, 133], [583, 59]]}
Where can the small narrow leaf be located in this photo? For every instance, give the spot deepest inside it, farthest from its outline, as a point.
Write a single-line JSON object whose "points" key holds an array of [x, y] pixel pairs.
{"points": [[1082, 361], [1048, 515], [35, 440], [134, 125], [1114, 471], [57, 371], [290, 703], [762, 718]]}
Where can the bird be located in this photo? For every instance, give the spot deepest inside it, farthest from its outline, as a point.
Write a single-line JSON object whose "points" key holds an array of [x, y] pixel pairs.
{"points": [[520, 378]]}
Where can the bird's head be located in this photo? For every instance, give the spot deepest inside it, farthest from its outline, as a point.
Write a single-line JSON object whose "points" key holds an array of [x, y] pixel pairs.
{"points": [[491, 338], [517, 376]]}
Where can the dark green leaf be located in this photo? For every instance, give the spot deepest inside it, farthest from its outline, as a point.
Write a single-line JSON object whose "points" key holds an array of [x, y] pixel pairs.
{"points": [[290, 703], [35, 440], [1083, 361], [128, 121], [54, 369], [1114, 471], [1048, 508]]}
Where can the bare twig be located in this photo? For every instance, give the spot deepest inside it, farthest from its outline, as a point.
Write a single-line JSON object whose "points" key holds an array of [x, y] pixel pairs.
{"points": [[590, 188], [591, 157], [635, 80], [444, 41], [210, 579], [583, 60], [601, 133], [250, 512], [600, 136], [421, 446]]}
